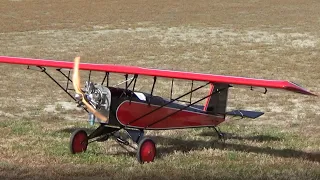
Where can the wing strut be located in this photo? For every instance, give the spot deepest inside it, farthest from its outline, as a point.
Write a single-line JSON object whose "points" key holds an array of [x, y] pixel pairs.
{"points": [[171, 91], [167, 103], [134, 85], [68, 78], [184, 101], [185, 107], [154, 83], [191, 93], [44, 70], [106, 76]]}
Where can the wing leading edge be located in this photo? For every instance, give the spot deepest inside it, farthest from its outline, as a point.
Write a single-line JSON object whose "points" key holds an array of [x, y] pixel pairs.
{"points": [[232, 80]]}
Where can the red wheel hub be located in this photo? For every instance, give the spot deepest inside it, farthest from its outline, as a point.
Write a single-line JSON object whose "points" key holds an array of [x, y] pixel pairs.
{"points": [[80, 142], [147, 151]]}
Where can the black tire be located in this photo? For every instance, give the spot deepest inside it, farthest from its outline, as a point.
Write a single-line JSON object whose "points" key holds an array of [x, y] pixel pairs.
{"points": [[146, 150], [78, 141]]}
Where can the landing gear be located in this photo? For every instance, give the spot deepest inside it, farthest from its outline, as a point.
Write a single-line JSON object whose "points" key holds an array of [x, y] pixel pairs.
{"points": [[146, 150], [220, 134], [78, 141]]}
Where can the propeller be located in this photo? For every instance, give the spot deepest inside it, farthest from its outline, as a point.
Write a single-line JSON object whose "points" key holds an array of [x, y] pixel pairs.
{"points": [[80, 93]]}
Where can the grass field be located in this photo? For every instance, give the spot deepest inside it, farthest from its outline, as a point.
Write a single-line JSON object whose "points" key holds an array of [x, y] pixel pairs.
{"points": [[251, 38]]}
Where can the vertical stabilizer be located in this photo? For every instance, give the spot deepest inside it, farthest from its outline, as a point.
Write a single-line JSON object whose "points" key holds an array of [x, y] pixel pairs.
{"points": [[217, 103]]}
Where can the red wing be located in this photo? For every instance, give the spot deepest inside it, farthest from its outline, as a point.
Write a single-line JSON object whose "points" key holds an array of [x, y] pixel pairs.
{"points": [[232, 80]]}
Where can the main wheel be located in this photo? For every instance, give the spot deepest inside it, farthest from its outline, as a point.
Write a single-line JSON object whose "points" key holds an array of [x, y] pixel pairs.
{"points": [[78, 141], [146, 150]]}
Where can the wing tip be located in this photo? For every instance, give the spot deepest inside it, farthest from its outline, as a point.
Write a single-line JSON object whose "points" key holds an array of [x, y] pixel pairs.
{"points": [[299, 89]]}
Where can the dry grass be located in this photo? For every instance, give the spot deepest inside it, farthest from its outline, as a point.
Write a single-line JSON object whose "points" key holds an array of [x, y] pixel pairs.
{"points": [[259, 39]]}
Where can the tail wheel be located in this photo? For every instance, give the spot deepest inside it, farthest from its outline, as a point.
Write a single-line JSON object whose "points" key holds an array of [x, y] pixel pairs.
{"points": [[146, 150], [78, 141]]}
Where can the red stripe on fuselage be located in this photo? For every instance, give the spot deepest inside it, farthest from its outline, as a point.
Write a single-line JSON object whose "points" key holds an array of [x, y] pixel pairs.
{"points": [[127, 112]]}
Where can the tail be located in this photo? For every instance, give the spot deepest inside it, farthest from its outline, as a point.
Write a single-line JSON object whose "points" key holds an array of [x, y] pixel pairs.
{"points": [[217, 103]]}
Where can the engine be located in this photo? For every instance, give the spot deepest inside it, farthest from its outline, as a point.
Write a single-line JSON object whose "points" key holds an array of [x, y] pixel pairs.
{"points": [[99, 97]]}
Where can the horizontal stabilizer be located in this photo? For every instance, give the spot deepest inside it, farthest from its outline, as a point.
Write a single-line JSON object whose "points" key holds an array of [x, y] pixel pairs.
{"points": [[244, 113]]}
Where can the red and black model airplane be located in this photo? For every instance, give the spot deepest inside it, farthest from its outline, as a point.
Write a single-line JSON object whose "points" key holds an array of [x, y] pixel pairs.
{"points": [[133, 111]]}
